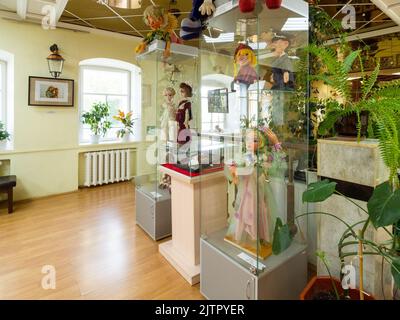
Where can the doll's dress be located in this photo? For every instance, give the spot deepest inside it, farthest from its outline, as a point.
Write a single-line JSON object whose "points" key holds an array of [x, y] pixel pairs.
{"points": [[167, 121], [246, 74], [183, 113], [246, 220], [281, 65]]}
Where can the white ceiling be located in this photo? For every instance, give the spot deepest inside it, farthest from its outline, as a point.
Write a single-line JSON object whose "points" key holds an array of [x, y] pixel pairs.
{"points": [[390, 7], [32, 8]]}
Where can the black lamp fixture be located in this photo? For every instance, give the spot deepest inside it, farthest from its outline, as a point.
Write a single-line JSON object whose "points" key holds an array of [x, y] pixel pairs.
{"points": [[55, 62]]}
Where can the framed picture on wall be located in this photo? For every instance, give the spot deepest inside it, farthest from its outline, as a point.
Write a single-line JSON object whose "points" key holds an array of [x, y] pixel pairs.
{"points": [[218, 101], [51, 92]]}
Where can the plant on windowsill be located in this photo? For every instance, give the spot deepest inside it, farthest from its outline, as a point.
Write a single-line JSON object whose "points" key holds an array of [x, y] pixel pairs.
{"points": [[127, 122], [4, 134], [98, 120]]}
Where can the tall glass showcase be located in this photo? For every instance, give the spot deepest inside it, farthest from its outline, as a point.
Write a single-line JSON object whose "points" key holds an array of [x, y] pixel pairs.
{"points": [[253, 105], [169, 107]]}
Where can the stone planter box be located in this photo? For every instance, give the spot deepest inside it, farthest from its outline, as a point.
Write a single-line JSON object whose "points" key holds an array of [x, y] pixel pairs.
{"points": [[352, 161]]}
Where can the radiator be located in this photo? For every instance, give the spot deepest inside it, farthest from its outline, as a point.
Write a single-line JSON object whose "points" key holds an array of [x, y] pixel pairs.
{"points": [[102, 167]]}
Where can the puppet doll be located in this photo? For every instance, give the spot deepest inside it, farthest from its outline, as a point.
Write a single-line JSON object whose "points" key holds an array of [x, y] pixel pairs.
{"points": [[192, 27], [244, 65], [251, 225], [162, 23], [167, 121], [184, 113], [282, 68]]}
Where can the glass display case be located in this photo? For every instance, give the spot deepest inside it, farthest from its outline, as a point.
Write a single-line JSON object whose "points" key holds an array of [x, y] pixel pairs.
{"points": [[169, 125], [253, 102]]}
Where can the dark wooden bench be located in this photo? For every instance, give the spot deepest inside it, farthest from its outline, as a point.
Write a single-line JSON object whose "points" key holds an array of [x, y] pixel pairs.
{"points": [[7, 183]]}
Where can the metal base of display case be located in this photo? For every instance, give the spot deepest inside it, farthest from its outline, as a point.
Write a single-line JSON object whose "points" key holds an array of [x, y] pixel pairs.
{"points": [[191, 273], [153, 210], [224, 278]]}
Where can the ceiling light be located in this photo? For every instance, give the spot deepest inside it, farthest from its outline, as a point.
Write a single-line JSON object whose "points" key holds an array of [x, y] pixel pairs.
{"points": [[353, 78], [223, 37], [295, 24], [123, 4], [396, 73]]}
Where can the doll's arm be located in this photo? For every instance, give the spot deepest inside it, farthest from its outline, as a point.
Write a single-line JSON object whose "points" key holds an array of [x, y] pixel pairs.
{"points": [[207, 8]]}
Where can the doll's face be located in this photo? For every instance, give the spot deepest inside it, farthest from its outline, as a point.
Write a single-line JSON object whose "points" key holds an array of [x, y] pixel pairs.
{"points": [[154, 22], [244, 57], [169, 96], [280, 46], [183, 93], [252, 142]]}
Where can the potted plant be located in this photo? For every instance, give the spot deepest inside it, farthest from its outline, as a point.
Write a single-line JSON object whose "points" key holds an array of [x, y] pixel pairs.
{"points": [[127, 122], [4, 134], [383, 211], [98, 120]]}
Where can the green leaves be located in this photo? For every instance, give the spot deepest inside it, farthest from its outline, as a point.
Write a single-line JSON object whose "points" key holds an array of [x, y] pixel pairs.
{"points": [[98, 118], [396, 271], [282, 237], [384, 206], [319, 191]]}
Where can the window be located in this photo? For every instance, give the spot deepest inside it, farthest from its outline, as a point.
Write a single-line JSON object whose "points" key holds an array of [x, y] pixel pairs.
{"points": [[118, 84], [3, 91], [210, 121]]}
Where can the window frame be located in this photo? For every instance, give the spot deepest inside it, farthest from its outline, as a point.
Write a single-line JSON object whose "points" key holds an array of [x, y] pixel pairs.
{"points": [[129, 96], [3, 89]]}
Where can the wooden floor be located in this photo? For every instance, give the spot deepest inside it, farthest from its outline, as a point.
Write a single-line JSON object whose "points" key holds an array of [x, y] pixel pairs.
{"points": [[91, 239]]}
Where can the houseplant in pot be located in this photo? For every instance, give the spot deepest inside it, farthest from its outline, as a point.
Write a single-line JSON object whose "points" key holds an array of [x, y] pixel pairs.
{"points": [[383, 211], [98, 120], [127, 123]]}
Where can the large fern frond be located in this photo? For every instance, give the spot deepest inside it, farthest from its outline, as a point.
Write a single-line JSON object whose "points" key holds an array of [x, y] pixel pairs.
{"points": [[368, 83]]}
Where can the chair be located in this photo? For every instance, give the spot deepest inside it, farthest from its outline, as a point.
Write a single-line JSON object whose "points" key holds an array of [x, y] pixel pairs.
{"points": [[7, 183]]}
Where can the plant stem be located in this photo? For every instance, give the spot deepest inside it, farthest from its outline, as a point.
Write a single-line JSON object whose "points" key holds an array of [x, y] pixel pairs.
{"points": [[350, 200], [361, 265]]}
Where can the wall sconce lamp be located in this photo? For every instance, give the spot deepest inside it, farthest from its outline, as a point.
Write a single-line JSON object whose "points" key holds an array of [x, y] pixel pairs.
{"points": [[55, 62]]}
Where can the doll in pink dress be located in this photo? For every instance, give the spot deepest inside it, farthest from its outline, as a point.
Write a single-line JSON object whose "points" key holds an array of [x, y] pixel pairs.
{"points": [[255, 205]]}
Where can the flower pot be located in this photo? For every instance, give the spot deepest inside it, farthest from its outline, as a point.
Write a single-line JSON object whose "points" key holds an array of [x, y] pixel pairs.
{"points": [[95, 138], [273, 4], [126, 138], [347, 126], [320, 288], [247, 5]]}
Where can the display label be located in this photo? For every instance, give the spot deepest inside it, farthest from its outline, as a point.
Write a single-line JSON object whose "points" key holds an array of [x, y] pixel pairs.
{"points": [[251, 261]]}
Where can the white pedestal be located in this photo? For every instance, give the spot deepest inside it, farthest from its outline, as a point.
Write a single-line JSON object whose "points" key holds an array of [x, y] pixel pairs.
{"points": [[188, 194]]}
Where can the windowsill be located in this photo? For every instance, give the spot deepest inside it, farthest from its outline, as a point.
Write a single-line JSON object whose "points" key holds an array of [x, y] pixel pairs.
{"points": [[108, 143], [6, 147]]}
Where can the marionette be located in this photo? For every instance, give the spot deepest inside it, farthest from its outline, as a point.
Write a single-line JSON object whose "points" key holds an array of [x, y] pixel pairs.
{"points": [[167, 121], [162, 24], [245, 61], [192, 26], [251, 225], [282, 67], [183, 114]]}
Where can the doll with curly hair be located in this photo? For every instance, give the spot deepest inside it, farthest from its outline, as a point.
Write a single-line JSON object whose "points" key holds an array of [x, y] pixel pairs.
{"points": [[251, 225], [162, 23]]}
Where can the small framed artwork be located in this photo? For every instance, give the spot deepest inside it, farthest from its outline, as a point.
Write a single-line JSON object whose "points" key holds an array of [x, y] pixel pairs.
{"points": [[51, 92], [218, 101]]}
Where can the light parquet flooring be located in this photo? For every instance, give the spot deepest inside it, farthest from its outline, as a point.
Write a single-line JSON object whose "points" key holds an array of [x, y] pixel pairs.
{"points": [[91, 239]]}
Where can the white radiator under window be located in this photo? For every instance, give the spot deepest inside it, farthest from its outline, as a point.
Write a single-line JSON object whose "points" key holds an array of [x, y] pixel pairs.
{"points": [[102, 167]]}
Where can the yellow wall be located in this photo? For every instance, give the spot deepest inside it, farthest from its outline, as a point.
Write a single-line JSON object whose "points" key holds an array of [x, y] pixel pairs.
{"points": [[46, 146]]}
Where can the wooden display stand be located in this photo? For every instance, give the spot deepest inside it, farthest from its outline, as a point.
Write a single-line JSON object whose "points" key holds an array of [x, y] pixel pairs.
{"points": [[188, 195]]}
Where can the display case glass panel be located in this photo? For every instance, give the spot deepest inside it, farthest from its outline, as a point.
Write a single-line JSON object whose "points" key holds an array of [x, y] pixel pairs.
{"points": [[253, 103], [170, 112]]}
